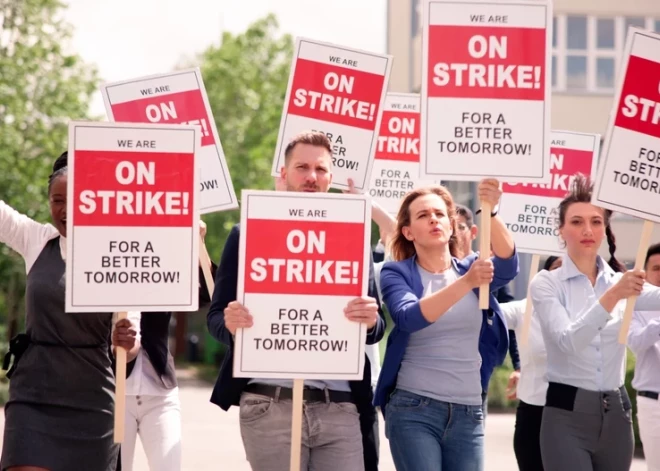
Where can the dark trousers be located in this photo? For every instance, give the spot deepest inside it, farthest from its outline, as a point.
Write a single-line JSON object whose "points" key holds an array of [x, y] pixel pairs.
{"points": [[586, 430], [527, 437]]}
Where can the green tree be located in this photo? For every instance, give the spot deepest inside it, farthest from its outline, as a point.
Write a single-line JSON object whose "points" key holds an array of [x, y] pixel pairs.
{"points": [[246, 78], [42, 87]]}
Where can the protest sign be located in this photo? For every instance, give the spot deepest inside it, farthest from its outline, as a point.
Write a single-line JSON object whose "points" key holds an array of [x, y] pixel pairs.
{"points": [[338, 91], [177, 98], [303, 257], [396, 166], [133, 218], [531, 210], [486, 90], [629, 177]]}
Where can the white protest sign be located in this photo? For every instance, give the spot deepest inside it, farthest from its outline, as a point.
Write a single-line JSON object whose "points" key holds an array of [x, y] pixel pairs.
{"points": [[338, 91], [531, 210], [303, 257], [396, 167], [486, 90], [177, 98], [133, 218], [629, 175]]}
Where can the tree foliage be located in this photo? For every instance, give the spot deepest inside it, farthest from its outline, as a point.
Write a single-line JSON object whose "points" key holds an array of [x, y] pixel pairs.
{"points": [[246, 78], [42, 87]]}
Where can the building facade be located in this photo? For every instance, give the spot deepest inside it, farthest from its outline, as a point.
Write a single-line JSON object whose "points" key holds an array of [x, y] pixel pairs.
{"points": [[587, 48]]}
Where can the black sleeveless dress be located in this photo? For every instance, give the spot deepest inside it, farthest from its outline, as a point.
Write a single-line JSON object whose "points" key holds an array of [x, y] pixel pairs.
{"points": [[61, 394]]}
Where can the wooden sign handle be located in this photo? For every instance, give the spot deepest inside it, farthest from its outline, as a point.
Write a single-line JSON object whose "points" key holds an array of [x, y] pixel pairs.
{"points": [[120, 388], [527, 319], [205, 263], [296, 423], [484, 250], [644, 242]]}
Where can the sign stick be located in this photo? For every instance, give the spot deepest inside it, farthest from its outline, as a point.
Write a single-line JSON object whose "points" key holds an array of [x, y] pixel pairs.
{"points": [[645, 239], [527, 319], [120, 388], [205, 263], [296, 423], [484, 251]]}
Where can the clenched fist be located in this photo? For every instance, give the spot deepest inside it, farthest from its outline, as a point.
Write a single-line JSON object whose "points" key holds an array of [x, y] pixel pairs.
{"points": [[237, 317], [480, 273], [124, 335], [489, 191], [630, 284]]}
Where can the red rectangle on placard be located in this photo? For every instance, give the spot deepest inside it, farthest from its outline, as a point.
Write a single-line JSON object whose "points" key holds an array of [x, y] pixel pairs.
{"points": [[486, 62], [156, 189], [270, 267], [398, 138], [564, 165], [176, 108], [335, 94], [639, 108]]}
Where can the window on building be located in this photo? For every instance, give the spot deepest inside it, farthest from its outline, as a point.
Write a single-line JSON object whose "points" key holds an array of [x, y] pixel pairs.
{"points": [[587, 50]]}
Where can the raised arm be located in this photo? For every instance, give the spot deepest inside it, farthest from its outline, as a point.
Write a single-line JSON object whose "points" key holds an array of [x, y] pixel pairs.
{"points": [[21, 233], [386, 223], [409, 312], [226, 283], [571, 335]]}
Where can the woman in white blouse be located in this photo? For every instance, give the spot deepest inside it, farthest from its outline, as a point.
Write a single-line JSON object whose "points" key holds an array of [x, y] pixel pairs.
{"points": [[531, 384], [587, 422]]}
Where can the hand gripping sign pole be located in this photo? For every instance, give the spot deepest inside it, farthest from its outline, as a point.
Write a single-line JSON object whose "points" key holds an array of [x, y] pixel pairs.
{"points": [[645, 239]]}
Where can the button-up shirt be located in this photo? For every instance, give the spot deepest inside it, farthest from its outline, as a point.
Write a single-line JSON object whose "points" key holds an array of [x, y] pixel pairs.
{"points": [[644, 341], [532, 386], [581, 337]]}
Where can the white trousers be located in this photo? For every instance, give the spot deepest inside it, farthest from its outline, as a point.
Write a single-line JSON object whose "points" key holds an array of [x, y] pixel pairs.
{"points": [[157, 419], [648, 415]]}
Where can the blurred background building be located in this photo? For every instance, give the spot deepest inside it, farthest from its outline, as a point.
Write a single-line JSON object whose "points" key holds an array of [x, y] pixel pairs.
{"points": [[587, 48]]}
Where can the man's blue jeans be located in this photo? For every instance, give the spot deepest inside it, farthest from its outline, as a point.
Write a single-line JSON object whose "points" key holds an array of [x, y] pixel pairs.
{"points": [[430, 435]]}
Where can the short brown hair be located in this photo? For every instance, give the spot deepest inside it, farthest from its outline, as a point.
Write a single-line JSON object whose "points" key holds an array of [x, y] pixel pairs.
{"points": [[400, 247], [313, 138]]}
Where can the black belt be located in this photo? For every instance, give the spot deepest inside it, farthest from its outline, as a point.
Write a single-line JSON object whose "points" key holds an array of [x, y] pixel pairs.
{"points": [[20, 343], [562, 396], [309, 394], [649, 394]]}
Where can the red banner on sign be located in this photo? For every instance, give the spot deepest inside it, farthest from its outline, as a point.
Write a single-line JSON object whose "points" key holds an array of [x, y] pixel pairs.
{"points": [[564, 165], [398, 138], [296, 257], [639, 108], [176, 108], [335, 94], [486, 62], [135, 189]]}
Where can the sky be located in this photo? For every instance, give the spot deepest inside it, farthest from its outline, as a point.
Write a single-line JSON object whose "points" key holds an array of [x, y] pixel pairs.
{"points": [[131, 38]]}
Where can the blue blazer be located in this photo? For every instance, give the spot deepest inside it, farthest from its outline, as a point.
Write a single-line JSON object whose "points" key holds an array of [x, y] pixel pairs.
{"points": [[401, 286]]}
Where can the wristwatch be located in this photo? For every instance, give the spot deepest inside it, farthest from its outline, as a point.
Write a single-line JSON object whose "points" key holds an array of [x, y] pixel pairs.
{"points": [[493, 213]]}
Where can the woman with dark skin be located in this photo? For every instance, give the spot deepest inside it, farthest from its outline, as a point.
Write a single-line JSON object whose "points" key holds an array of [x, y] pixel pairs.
{"points": [[61, 395]]}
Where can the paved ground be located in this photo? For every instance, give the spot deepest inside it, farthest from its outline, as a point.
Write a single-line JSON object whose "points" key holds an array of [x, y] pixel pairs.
{"points": [[211, 441]]}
